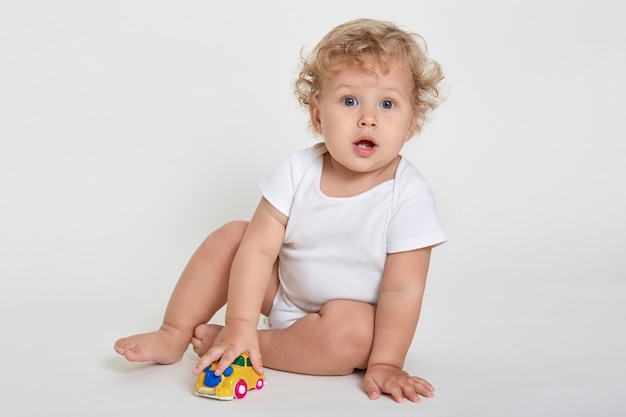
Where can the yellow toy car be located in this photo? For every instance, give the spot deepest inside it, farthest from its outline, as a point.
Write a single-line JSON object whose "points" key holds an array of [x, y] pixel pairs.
{"points": [[234, 382]]}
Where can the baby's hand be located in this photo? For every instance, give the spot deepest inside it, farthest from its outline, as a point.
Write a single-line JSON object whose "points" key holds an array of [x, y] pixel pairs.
{"points": [[233, 340], [395, 382]]}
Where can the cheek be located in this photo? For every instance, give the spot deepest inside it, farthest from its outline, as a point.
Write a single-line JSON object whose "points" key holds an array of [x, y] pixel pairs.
{"points": [[325, 122]]}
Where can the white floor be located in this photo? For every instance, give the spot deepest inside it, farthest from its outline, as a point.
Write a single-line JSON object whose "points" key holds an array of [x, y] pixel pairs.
{"points": [[562, 358]]}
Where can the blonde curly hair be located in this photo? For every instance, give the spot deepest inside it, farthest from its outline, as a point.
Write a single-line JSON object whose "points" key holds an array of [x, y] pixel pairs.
{"points": [[360, 39]]}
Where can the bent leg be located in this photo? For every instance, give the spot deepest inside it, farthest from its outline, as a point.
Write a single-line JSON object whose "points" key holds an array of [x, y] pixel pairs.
{"points": [[199, 293], [335, 341], [204, 334]]}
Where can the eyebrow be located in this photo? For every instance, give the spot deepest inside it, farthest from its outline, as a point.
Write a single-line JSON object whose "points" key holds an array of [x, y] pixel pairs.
{"points": [[352, 86], [346, 85]]}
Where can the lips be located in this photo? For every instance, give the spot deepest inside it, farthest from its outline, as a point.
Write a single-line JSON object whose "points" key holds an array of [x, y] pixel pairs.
{"points": [[365, 144]]}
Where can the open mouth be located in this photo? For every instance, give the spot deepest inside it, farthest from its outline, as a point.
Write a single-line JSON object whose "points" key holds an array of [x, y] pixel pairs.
{"points": [[365, 144]]}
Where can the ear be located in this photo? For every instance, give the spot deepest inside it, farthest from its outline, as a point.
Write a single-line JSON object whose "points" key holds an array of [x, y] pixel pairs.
{"points": [[314, 113]]}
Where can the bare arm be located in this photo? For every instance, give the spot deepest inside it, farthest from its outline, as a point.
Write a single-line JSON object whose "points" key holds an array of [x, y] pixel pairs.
{"points": [[397, 314], [249, 280]]}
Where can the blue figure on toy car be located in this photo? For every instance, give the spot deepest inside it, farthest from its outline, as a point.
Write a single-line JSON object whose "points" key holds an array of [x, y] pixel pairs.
{"points": [[234, 382]]}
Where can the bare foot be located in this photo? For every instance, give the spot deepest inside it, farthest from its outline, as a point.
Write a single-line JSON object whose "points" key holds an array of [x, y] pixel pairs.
{"points": [[163, 346], [203, 337]]}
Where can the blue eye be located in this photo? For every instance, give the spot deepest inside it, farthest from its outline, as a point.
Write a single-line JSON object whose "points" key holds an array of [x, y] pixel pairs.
{"points": [[387, 104], [350, 101]]}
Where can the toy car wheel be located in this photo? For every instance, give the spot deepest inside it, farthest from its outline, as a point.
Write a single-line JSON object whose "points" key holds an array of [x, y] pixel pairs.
{"points": [[260, 383], [241, 389]]}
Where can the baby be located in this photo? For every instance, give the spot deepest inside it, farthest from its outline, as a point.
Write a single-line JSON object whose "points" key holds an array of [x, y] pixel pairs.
{"points": [[337, 251]]}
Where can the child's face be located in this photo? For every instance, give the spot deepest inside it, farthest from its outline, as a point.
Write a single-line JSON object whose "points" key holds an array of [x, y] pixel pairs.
{"points": [[364, 117]]}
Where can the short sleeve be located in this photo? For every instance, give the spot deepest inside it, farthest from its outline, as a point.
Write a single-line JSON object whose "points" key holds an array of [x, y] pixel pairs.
{"points": [[414, 222], [280, 187]]}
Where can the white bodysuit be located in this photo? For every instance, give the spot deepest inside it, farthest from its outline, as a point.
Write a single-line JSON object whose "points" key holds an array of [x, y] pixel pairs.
{"points": [[336, 248]]}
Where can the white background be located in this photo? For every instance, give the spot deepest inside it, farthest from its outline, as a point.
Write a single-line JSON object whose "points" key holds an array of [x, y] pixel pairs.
{"points": [[131, 129]]}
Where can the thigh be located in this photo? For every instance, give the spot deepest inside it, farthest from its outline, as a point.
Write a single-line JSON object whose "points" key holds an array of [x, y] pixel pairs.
{"points": [[334, 341]]}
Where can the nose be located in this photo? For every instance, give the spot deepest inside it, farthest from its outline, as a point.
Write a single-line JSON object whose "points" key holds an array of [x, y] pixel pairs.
{"points": [[367, 119]]}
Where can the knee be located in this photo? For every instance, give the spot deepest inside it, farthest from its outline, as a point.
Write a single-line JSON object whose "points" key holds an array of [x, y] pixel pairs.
{"points": [[224, 242], [233, 231], [350, 329]]}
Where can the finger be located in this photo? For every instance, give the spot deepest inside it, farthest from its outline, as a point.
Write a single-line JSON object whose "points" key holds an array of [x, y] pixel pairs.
{"points": [[396, 392], [424, 388], [257, 361], [401, 388], [226, 360], [411, 394], [371, 389], [207, 359], [415, 387], [201, 365]]}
